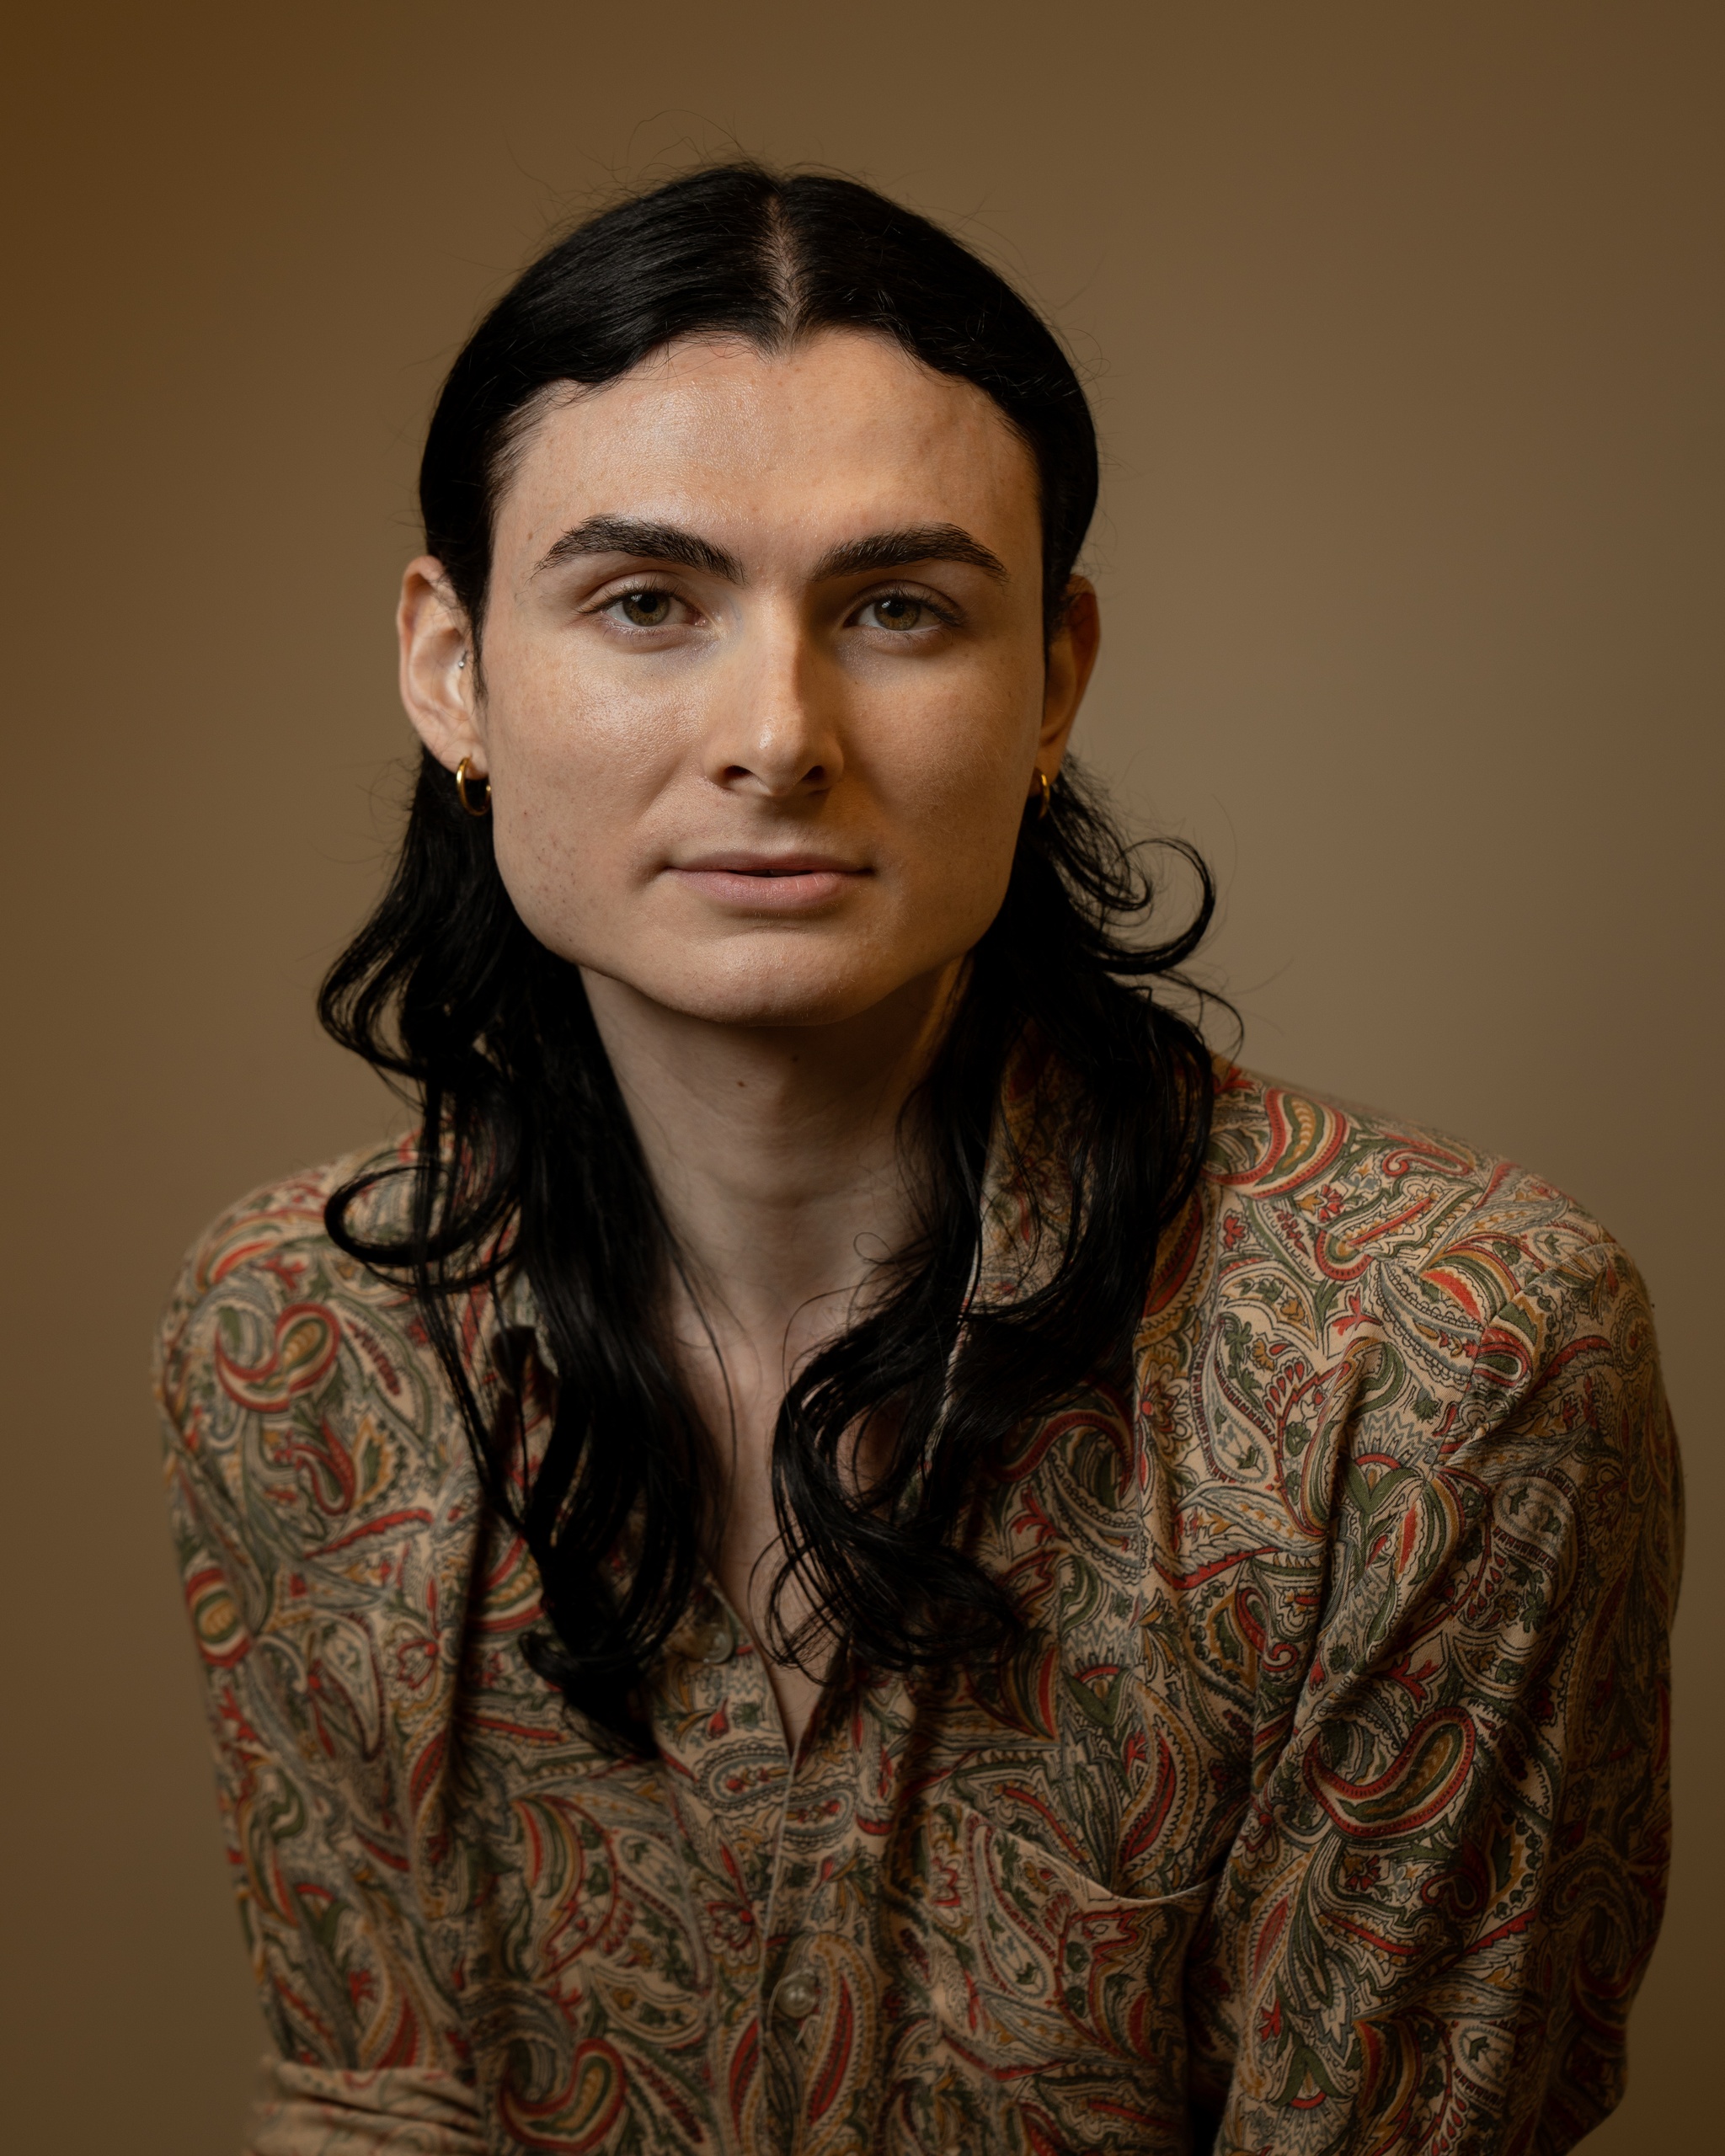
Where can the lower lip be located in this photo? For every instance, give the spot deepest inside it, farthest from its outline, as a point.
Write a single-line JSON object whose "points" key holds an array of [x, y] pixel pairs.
{"points": [[815, 887]]}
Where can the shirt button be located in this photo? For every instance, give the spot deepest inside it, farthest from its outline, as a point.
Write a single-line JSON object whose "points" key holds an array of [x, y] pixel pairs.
{"points": [[713, 1642], [797, 1995]]}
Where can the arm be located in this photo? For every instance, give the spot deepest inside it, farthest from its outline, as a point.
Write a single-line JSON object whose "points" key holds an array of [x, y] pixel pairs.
{"points": [[308, 2110], [1449, 1882], [258, 1390]]}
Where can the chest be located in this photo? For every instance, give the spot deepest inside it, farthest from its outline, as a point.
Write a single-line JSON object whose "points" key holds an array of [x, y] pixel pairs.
{"points": [[978, 1881]]}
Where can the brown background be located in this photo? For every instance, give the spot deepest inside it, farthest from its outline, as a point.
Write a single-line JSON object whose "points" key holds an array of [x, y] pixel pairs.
{"points": [[1404, 327]]}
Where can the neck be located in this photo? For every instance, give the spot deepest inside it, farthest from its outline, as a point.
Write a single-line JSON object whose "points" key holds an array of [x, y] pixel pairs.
{"points": [[776, 1151]]}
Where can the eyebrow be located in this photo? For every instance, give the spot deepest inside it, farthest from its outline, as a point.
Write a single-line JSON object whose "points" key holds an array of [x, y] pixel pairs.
{"points": [[653, 543], [916, 542], [670, 542]]}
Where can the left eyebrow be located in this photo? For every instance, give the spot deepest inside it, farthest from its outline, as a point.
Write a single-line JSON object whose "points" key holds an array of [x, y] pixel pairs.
{"points": [[897, 550]]}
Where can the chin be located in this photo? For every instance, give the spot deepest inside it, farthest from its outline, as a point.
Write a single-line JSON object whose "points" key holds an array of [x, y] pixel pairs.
{"points": [[767, 1002], [807, 985]]}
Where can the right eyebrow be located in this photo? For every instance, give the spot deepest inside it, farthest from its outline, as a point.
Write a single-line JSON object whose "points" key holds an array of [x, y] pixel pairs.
{"points": [[646, 542]]}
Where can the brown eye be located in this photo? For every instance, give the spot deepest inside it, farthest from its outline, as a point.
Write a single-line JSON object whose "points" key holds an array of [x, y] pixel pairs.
{"points": [[645, 610], [896, 611]]}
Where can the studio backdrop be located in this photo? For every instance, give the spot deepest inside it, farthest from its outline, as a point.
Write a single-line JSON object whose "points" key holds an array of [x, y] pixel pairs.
{"points": [[1403, 328]]}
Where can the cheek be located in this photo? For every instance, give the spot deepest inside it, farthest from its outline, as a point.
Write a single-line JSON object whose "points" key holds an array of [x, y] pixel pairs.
{"points": [[575, 773], [956, 774], [558, 731]]}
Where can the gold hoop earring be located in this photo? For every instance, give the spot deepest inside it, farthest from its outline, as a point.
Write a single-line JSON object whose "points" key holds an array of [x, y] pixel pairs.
{"points": [[465, 777], [1042, 807]]}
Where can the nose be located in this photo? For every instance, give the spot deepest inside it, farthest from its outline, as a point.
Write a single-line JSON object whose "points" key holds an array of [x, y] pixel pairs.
{"points": [[776, 733]]}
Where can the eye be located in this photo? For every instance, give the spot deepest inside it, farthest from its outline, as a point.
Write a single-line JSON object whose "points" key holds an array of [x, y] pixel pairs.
{"points": [[897, 610], [643, 610]]}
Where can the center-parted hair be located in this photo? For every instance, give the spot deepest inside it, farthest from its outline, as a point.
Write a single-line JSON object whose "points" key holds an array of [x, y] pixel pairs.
{"points": [[528, 1165]]}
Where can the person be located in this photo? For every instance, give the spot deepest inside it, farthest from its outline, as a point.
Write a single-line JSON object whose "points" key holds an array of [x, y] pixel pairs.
{"points": [[854, 1544]]}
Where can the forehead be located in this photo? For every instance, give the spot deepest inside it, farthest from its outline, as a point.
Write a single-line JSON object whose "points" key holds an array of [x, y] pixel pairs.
{"points": [[843, 430]]}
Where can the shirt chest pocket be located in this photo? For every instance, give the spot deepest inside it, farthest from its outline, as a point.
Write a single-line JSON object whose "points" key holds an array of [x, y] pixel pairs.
{"points": [[1047, 1994]]}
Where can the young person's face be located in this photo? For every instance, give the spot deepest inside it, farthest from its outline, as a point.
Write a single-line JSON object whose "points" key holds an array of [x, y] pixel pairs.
{"points": [[764, 690]]}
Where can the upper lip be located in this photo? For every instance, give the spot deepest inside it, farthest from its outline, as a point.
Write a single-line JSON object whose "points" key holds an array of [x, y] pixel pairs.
{"points": [[742, 864]]}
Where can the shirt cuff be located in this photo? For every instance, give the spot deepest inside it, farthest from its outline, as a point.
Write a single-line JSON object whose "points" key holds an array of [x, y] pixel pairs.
{"points": [[408, 2110]]}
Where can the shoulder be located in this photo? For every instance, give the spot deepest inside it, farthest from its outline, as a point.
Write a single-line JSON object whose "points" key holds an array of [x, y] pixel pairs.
{"points": [[297, 1385], [1370, 1325], [261, 1252], [1483, 1276], [1350, 1190]]}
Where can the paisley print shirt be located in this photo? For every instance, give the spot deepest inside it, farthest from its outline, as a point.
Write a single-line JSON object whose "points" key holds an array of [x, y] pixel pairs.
{"points": [[1324, 1807]]}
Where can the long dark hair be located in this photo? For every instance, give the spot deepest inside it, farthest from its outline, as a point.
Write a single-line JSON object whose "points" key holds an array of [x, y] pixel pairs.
{"points": [[527, 1164]]}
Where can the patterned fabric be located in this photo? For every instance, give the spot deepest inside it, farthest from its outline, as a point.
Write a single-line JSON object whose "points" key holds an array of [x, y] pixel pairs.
{"points": [[1327, 1797]]}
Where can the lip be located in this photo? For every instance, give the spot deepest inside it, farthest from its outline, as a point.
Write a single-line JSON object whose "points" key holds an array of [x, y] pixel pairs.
{"points": [[768, 882]]}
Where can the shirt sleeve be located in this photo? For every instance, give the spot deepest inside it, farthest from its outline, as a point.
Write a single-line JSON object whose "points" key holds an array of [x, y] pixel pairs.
{"points": [[1450, 1876], [370, 2054], [305, 2111]]}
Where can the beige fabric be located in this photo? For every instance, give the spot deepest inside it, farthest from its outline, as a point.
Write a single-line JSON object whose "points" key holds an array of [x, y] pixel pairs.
{"points": [[1328, 1790], [406, 2111]]}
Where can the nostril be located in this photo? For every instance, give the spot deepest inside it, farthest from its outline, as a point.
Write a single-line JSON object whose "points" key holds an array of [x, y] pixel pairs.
{"points": [[814, 778]]}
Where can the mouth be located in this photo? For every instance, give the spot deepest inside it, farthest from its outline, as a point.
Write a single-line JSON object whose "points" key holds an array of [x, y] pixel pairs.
{"points": [[769, 883]]}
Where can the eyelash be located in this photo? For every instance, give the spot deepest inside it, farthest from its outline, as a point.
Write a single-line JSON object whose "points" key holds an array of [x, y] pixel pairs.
{"points": [[648, 589], [944, 615]]}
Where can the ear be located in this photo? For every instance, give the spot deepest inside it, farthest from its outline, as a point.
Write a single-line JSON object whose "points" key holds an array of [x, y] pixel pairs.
{"points": [[1071, 655], [438, 667]]}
